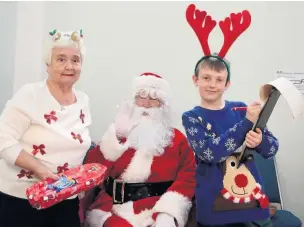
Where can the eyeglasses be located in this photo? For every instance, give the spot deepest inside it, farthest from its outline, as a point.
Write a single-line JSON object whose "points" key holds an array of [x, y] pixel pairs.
{"points": [[152, 102], [149, 95]]}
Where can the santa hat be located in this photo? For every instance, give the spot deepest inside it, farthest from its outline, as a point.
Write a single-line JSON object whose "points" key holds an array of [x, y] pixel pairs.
{"points": [[152, 83], [64, 39]]}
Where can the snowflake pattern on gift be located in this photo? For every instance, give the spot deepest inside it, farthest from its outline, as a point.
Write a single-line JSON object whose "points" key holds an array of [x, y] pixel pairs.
{"points": [[192, 131], [230, 144]]}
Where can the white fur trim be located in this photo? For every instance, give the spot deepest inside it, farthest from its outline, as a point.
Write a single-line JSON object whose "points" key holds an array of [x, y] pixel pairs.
{"points": [[151, 82], [126, 211], [175, 204], [97, 217], [139, 168], [110, 146]]}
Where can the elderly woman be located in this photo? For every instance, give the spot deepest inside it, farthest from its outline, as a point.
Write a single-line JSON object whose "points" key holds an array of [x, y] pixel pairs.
{"points": [[43, 131]]}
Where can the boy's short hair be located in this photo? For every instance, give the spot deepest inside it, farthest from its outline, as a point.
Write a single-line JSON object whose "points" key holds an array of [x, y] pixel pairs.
{"points": [[213, 62]]}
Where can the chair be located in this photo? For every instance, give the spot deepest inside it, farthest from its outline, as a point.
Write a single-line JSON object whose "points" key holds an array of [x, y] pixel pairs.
{"points": [[268, 171]]}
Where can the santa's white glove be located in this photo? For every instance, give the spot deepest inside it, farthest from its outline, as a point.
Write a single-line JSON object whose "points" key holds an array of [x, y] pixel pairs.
{"points": [[123, 125], [164, 219]]}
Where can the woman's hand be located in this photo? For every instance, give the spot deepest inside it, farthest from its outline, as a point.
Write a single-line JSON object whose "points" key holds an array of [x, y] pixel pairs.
{"points": [[43, 173], [28, 162]]}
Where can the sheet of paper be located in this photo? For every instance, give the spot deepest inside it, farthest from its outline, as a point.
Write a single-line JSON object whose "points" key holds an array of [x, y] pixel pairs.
{"points": [[296, 77], [289, 92]]}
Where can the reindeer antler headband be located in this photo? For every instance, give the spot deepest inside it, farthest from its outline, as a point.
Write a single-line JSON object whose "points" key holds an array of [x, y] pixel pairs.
{"points": [[203, 25]]}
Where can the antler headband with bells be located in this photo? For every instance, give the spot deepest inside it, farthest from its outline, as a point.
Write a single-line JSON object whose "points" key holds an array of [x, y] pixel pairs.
{"points": [[203, 25]]}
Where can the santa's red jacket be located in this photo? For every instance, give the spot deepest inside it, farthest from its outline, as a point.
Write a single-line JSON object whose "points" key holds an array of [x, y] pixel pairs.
{"points": [[176, 164]]}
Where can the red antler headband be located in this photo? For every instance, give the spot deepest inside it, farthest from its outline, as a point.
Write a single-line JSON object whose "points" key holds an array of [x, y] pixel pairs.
{"points": [[203, 25]]}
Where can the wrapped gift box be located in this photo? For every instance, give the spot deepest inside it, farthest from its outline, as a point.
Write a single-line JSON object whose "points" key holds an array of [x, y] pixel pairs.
{"points": [[72, 182]]}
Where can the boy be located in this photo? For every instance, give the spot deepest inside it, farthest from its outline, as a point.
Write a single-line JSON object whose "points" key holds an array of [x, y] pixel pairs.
{"points": [[226, 194], [215, 132]]}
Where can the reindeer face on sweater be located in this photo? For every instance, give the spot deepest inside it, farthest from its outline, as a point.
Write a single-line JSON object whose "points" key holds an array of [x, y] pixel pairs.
{"points": [[240, 189], [238, 181]]}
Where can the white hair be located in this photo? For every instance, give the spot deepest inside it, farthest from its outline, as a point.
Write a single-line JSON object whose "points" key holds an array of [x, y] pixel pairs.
{"points": [[64, 40]]}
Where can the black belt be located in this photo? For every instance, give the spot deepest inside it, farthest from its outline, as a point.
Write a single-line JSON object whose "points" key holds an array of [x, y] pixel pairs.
{"points": [[122, 192]]}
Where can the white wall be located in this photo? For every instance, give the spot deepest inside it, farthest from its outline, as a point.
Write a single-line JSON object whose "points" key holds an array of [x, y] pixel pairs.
{"points": [[8, 13], [125, 39], [29, 43]]}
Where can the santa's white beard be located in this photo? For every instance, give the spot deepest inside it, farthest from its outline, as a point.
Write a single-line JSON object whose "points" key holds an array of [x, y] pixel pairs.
{"points": [[153, 131]]}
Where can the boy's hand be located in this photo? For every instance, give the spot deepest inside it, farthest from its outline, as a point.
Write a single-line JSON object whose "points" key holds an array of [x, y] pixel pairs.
{"points": [[253, 139], [253, 112]]}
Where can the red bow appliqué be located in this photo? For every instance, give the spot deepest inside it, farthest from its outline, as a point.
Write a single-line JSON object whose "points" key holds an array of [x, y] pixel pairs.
{"points": [[81, 116], [50, 117], [24, 173], [77, 137], [38, 149], [63, 168]]}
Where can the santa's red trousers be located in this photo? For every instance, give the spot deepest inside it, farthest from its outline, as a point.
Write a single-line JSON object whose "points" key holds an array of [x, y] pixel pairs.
{"points": [[115, 221]]}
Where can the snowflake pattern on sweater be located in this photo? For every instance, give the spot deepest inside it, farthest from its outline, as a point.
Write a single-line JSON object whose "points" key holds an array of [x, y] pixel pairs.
{"points": [[215, 148], [202, 142]]}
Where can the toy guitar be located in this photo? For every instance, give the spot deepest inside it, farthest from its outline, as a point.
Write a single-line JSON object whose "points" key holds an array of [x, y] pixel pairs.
{"points": [[262, 121], [71, 182]]}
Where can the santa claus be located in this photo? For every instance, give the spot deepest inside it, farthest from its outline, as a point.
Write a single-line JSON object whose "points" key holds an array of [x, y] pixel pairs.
{"points": [[151, 168]]}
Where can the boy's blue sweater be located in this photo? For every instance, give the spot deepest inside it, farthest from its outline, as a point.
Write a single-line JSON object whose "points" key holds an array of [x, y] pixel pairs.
{"points": [[230, 128]]}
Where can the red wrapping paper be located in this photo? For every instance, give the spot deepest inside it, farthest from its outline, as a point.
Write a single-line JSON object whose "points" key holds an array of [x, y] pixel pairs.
{"points": [[81, 179]]}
